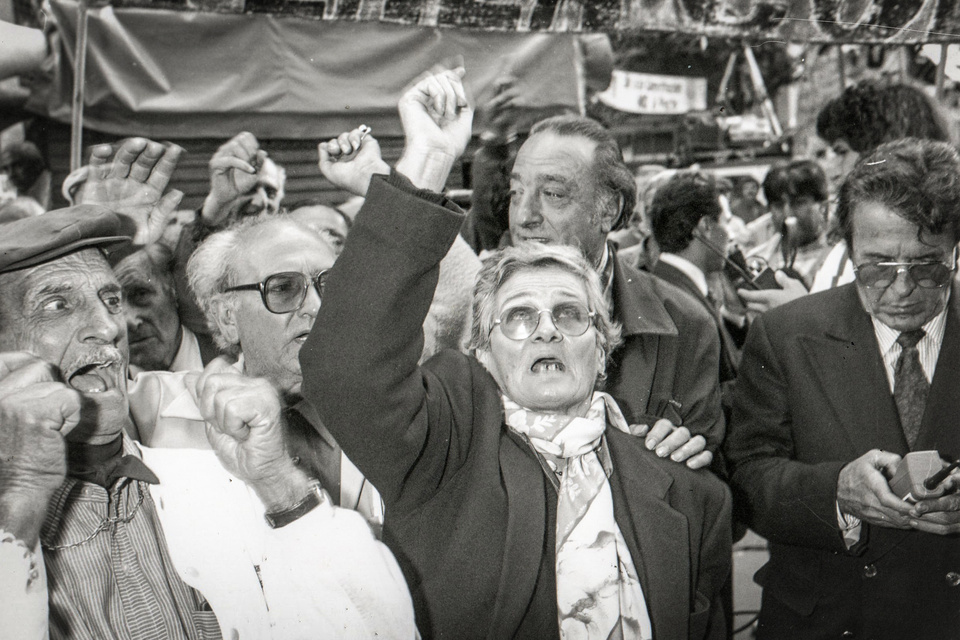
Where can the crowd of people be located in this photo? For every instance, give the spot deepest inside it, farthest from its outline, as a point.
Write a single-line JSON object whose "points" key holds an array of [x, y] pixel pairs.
{"points": [[548, 416]]}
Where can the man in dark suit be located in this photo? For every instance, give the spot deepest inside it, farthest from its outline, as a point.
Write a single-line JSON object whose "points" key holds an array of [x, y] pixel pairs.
{"points": [[569, 185], [685, 216], [834, 389]]}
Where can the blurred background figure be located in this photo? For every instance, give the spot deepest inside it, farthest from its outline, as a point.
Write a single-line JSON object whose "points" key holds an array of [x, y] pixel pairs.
{"points": [[797, 194], [744, 203], [26, 170], [331, 224], [18, 208], [158, 341]]}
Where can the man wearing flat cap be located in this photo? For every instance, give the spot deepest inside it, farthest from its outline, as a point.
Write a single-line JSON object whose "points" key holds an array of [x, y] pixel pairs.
{"points": [[84, 547]]}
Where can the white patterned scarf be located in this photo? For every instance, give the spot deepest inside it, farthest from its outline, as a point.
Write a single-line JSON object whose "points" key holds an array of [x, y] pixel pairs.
{"points": [[599, 596]]}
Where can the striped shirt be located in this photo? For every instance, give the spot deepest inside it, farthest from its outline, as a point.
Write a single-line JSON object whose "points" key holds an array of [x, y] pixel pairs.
{"points": [[928, 349], [120, 583]]}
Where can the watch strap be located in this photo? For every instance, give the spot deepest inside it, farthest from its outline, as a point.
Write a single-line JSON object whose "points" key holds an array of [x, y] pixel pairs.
{"points": [[313, 499]]}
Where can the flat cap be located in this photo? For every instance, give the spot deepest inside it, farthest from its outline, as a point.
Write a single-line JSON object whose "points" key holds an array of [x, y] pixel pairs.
{"points": [[32, 241]]}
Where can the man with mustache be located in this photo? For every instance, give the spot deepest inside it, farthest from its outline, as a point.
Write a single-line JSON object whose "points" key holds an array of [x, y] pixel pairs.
{"points": [[85, 546]]}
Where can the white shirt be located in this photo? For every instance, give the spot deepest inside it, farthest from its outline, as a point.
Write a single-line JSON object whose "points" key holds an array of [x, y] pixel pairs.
{"points": [[166, 414], [836, 266], [689, 269], [187, 357], [322, 576], [928, 348]]}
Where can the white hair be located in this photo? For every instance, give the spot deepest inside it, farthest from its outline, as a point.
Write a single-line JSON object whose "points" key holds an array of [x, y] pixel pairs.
{"points": [[211, 269]]}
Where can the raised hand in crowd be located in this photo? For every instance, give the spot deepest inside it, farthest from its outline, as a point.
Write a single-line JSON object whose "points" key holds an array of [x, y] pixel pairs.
{"points": [[351, 159], [498, 115], [132, 184], [234, 170], [37, 410], [245, 428], [437, 120]]}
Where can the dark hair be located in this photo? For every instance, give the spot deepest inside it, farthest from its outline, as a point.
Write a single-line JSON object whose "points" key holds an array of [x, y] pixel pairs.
{"points": [[797, 179], [918, 179], [617, 187], [678, 207], [870, 113]]}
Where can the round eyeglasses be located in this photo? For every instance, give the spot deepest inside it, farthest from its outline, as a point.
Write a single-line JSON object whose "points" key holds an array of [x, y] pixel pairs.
{"points": [[926, 275], [570, 318], [284, 292]]}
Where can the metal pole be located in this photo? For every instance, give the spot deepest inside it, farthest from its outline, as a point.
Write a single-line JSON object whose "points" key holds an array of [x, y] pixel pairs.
{"points": [[841, 68], [761, 88], [942, 71], [79, 73]]}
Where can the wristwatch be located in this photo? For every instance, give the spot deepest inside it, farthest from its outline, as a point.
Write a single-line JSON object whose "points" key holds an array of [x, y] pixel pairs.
{"points": [[313, 499]]}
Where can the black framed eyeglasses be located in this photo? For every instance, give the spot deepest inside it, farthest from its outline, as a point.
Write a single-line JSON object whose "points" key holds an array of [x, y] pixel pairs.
{"points": [[570, 318], [284, 292], [926, 275]]}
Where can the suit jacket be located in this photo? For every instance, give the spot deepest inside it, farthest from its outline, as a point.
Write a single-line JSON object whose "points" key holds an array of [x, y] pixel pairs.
{"points": [[668, 363], [812, 395], [729, 354], [468, 504]]}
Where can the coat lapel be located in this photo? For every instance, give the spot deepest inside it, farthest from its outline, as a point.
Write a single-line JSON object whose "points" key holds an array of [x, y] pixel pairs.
{"points": [[938, 429], [523, 547], [656, 534], [847, 359]]}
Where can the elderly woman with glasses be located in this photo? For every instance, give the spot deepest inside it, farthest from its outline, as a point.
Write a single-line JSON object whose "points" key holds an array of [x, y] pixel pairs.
{"points": [[518, 503]]}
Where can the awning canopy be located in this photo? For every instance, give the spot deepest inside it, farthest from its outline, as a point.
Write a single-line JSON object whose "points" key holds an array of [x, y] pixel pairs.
{"points": [[178, 74]]}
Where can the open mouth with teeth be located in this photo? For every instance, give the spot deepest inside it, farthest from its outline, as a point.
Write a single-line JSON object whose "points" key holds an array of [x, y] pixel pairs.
{"points": [[300, 339], [547, 365], [95, 378]]}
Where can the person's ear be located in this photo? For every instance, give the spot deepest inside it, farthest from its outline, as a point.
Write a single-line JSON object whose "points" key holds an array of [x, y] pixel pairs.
{"points": [[225, 316], [612, 214]]}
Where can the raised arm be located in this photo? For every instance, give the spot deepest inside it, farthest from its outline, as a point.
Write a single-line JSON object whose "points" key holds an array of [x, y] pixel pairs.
{"points": [[360, 363]]}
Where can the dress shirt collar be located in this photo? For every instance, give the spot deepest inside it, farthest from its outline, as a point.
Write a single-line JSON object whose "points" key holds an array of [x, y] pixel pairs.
{"points": [[928, 347], [689, 269]]}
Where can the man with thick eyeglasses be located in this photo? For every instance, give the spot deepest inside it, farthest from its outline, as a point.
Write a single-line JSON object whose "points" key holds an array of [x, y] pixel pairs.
{"points": [[834, 389]]}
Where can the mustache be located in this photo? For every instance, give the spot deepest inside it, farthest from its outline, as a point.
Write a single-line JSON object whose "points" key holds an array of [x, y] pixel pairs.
{"points": [[105, 355]]}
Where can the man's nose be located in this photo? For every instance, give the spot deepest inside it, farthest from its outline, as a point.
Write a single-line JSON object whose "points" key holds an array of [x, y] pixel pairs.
{"points": [[903, 285], [103, 327], [311, 302], [528, 211], [132, 318]]}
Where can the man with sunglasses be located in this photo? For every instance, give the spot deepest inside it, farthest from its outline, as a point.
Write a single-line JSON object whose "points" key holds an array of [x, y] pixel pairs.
{"points": [[834, 389]]}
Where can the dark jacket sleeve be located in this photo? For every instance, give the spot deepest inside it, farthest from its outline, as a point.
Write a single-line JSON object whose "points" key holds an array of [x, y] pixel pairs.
{"points": [[360, 362], [782, 499]]}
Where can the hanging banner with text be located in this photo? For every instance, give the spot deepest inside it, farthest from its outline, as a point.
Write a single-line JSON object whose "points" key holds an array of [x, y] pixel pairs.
{"points": [[655, 94]]}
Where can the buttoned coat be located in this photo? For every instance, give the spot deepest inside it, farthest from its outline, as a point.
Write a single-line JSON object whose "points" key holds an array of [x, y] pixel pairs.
{"points": [[812, 395]]}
